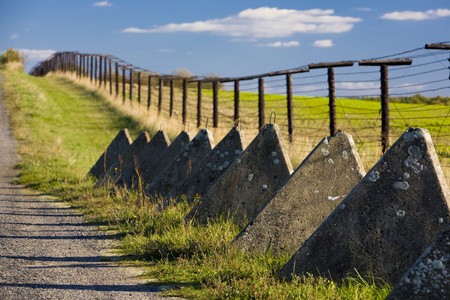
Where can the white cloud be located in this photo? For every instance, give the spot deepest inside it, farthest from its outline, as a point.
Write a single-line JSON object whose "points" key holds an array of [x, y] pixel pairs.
{"points": [[280, 44], [417, 15], [323, 43], [36, 55], [364, 9], [14, 36], [263, 22], [102, 4]]}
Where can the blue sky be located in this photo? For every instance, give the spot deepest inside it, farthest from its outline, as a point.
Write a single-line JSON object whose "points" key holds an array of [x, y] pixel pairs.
{"points": [[228, 38]]}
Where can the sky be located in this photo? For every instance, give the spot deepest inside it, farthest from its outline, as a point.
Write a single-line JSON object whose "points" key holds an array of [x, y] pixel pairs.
{"points": [[226, 38]]}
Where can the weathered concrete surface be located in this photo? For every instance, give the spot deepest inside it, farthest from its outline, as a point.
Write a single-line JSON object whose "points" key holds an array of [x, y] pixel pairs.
{"points": [[209, 169], [166, 158], [117, 147], [386, 221], [183, 164], [317, 186], [148, 155], [429, 278], [115, 171], [250, 182]]}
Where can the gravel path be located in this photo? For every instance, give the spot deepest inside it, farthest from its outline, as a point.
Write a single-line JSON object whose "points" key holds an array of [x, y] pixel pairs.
{"points": [[47, 251]]}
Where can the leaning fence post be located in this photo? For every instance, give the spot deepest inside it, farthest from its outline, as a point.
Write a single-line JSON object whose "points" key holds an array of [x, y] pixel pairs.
{"points": [[261, 103], [385, 139]]}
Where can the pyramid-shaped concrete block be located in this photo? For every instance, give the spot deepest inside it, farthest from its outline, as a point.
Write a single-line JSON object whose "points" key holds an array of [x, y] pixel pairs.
{"points": [[183, 164], [386, 221], [312, 192], [148, 155], [429, 277], [250, 182], [209, 169], [178, 144], [117, 147], [115, 170]]}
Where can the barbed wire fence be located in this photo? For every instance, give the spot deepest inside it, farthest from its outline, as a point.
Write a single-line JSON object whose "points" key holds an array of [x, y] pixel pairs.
{"points": [[308, 102]]}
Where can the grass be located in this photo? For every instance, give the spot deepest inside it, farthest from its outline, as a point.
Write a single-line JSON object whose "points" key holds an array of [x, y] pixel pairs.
{"points": [[63, 127]]}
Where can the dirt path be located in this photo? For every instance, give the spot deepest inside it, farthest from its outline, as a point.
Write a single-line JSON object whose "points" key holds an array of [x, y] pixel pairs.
{"points": [[47, 251]]}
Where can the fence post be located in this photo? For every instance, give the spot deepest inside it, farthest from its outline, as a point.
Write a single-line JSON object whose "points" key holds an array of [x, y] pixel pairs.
{"points": [[105, 72], [199, 103], [131, 86], [290, 107], [215, 104], [139, 87], [171, 84], [385, 141], [95, 70], [117, 78], [100, 71], [332, 101], [261, 104], [185, 91], [161, 82], [149, 98], [236, 100], [123, 85], [110, 77], [92, 68]]}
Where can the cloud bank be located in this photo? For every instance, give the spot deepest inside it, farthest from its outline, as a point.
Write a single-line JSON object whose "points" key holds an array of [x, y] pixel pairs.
{"points": [[263, 22], [417, 15]]}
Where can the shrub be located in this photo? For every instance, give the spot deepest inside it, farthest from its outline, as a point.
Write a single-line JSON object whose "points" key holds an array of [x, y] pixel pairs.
{"points": [[12, 57]]}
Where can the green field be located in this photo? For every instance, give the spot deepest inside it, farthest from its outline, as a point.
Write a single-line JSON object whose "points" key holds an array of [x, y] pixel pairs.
{"points": [[62, 127]]}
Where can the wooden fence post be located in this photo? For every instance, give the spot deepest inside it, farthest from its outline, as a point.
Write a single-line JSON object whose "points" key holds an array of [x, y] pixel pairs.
{"points": [[95, 70], [117, 78], [105, 72], [100, 71], [92, 68], [139, 87], [123, 84], [110, 77], [236, 100], [215, 104], [290, 107], [261, 104], [199, 103], [131, 86], [185, 92]]}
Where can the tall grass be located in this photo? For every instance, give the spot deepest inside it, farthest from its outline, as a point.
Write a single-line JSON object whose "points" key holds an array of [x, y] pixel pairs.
{"points": [[63, 127]]}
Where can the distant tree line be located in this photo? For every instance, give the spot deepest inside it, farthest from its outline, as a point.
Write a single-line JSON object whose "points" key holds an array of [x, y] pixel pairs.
{"points": [[416, 99]]}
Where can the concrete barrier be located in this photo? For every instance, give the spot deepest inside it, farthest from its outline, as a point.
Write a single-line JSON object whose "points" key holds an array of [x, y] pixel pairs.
{"points": [[386, 221], [183, 164], [429, 277], [148, 155], [316, 187], [117, 147], [250, 182], [209, 169], [115, 170], [166, 158]]}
